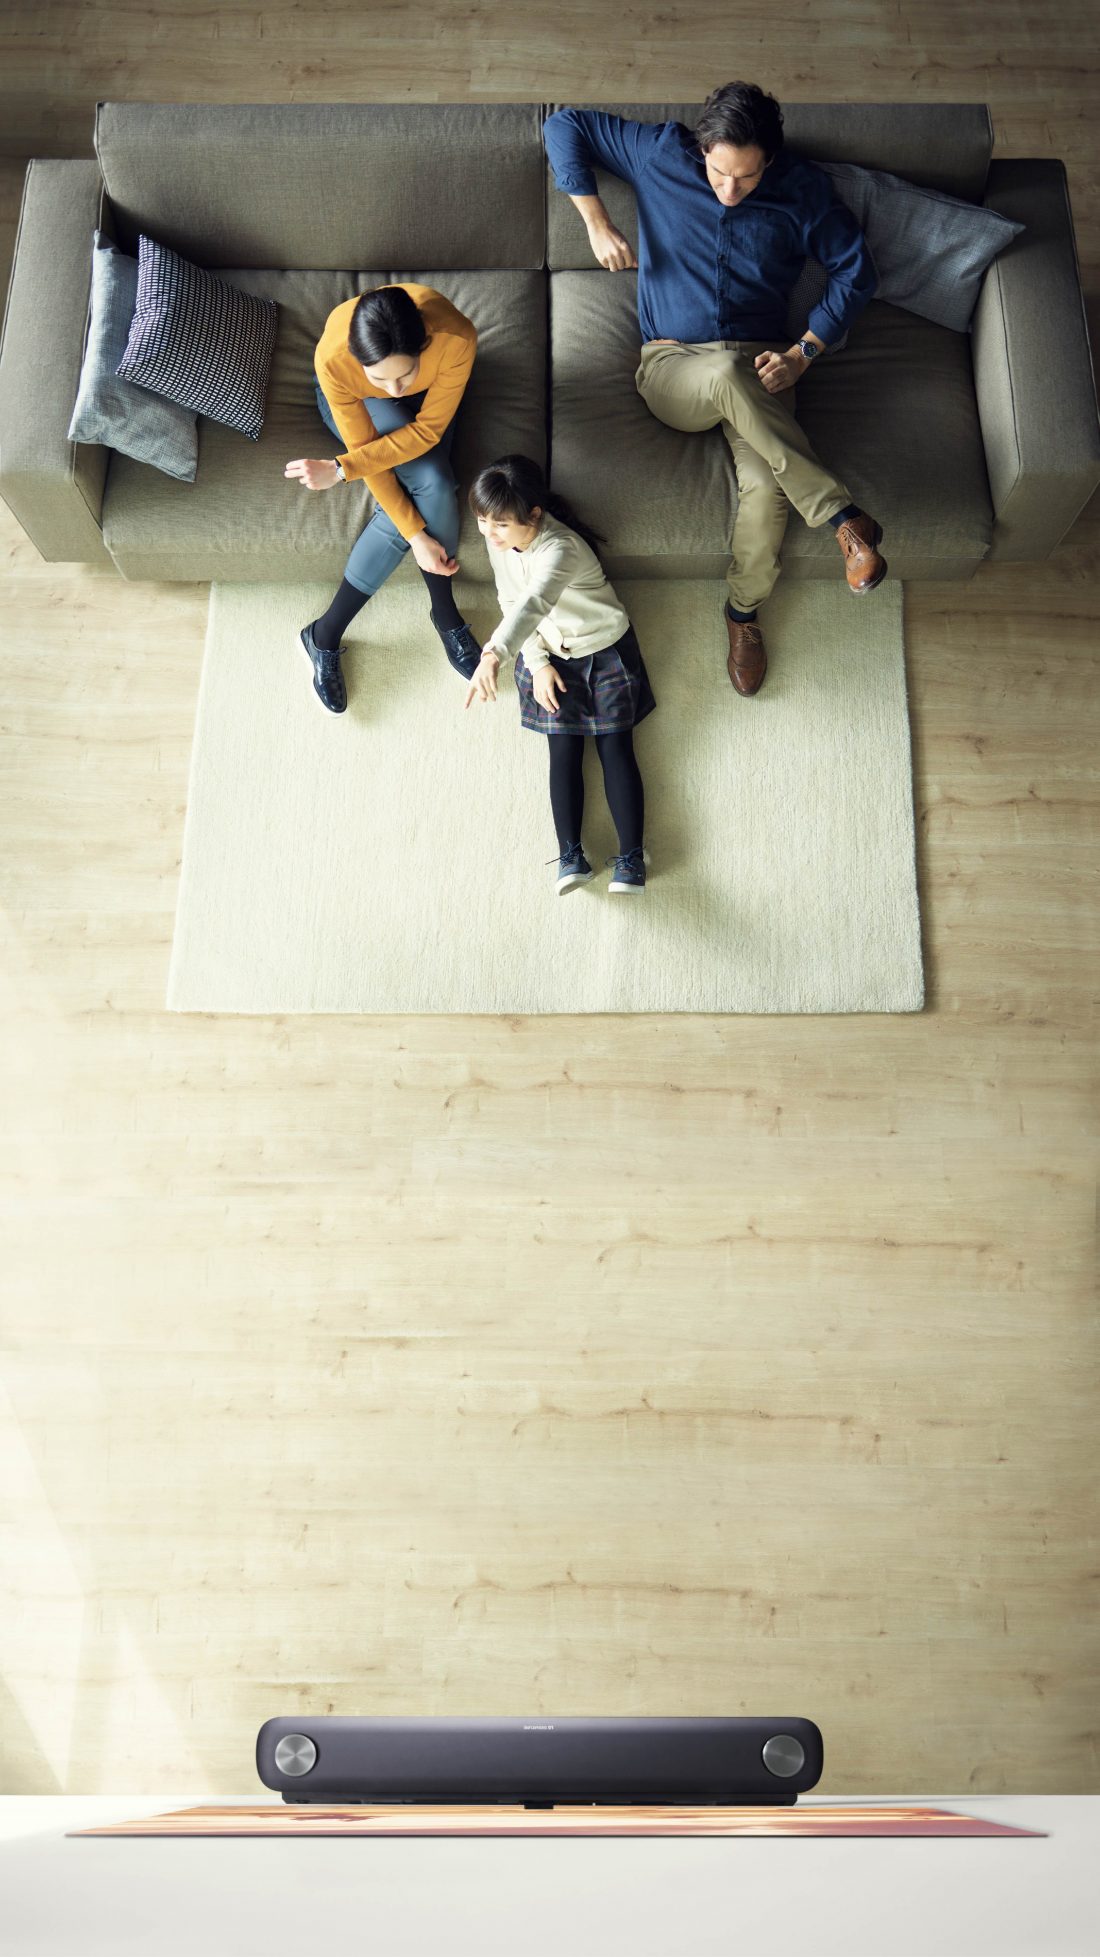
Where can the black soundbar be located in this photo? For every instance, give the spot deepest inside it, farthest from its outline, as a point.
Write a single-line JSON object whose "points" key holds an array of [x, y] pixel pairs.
{"points": [[540, 1761]]}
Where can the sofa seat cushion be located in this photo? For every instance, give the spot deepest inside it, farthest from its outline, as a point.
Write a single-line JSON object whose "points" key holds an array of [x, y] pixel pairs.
{"points": [[242, 519], [895, 415]]}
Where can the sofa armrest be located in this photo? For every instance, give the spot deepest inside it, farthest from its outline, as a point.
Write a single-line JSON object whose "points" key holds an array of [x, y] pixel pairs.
{"points": [[54, 487], [1032, 367]]}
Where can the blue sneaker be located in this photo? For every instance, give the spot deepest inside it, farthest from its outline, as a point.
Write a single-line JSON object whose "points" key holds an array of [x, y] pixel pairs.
{"points": [[629, 871], [328, 680], [573, 868], [461, 648]]}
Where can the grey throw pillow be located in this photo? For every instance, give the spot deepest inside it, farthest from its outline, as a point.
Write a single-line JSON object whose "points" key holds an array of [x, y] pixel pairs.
{"points": [[931, 251], [112, 412], [199, 340]]}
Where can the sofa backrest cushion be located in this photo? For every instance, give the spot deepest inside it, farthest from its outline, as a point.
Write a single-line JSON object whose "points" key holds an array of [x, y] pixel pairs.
{"points": [[942, 146], [329, 185]]}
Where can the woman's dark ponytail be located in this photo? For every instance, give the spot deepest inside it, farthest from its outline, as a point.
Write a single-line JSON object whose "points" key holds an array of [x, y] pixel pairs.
{"points": [[514, 486], [386, 321]]}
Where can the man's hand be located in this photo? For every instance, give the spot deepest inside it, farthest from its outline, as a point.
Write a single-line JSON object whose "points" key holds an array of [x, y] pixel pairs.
{"points": [[483, 686], [781, 370], [546, 684], [431, 556], [607, 242], [610, 247], [313, 474]]}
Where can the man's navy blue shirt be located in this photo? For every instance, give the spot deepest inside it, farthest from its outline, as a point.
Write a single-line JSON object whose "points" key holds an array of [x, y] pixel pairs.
{"points": [[707, 271]]}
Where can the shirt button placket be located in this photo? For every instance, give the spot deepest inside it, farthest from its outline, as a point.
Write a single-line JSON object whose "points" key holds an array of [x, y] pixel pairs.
{"points": [[727, 319]]}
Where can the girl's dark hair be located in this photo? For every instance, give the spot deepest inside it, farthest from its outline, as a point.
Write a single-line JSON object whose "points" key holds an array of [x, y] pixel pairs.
{"points": [[514, 486], [741, 114], [387, 320]]}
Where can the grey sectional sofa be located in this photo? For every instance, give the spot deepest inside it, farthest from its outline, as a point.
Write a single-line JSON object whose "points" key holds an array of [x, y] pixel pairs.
{"points": [[965, 446]]}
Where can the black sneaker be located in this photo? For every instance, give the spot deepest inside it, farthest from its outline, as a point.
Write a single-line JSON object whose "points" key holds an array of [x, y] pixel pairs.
{"points": [[573, 868], [328, 680], [629, 871], [461, 648]]}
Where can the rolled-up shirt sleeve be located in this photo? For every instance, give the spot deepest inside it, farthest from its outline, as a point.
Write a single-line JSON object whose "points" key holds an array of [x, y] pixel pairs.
{"points": [[516, 631], [834, 238], [580, 141]]}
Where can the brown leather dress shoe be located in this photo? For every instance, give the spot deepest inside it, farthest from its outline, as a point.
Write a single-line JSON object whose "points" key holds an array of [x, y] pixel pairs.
{"points": [[746, 661], [863, 567]]}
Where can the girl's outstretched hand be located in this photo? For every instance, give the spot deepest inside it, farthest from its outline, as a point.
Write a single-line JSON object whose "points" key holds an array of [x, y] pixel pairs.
{"points": [[546, 684], [483, 686]]}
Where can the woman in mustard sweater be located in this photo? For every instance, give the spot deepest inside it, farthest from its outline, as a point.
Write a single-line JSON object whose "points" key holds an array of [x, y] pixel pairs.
{"points": [[391, 369]]}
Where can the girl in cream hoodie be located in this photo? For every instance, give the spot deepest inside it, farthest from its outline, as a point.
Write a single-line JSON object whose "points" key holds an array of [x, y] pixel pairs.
{"points": [[578, 665]]}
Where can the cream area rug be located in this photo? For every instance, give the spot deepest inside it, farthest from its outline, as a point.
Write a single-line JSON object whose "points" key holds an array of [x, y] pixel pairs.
{"points": [[393, 859]]}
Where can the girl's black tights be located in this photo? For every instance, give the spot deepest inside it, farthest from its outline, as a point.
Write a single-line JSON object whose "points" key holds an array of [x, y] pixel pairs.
{"points": [[622, 782]]}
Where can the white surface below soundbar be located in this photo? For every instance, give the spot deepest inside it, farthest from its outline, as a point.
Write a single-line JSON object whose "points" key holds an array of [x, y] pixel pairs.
{"points": [[117, 1897]]}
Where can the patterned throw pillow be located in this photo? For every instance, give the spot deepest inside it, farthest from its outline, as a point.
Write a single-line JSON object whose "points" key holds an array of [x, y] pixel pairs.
{"points": [[200, 341], [111, 412]]}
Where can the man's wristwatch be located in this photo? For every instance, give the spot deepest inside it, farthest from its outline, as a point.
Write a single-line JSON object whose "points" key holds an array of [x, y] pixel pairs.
{"points": [[809, 348], [340, 476]]}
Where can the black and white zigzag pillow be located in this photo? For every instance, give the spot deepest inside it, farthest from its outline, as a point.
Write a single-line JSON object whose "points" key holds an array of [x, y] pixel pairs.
{"points": [[199, 341]]}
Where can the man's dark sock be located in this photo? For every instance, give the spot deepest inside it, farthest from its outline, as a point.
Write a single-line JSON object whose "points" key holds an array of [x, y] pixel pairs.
{"points": [[329, 629], [445, 613], [845, 515], [743, 618]]}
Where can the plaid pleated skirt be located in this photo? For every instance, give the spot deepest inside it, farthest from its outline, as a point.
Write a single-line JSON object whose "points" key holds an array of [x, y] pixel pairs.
{"points": [[605, 692]]}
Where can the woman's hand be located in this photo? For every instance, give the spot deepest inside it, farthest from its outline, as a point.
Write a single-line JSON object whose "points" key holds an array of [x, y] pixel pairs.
{"points": [[546, 684], [313, 474], [483, 686], [780, 370], [431, 556], [611, 248]]}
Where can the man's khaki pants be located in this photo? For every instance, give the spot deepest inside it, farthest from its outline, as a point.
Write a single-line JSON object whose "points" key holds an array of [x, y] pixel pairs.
{"points": [[693, 385]]}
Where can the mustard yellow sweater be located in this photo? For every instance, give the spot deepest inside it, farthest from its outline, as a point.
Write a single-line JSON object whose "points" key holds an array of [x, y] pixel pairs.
{"points": [[444, 370]]}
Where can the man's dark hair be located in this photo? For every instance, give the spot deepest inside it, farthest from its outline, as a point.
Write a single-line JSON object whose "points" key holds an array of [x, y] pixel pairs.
{"points": [[386, 321], [741, 114]]}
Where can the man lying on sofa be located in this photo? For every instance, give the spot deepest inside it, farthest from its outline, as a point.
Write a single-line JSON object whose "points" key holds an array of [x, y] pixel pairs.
{"points": [[723, 280]]}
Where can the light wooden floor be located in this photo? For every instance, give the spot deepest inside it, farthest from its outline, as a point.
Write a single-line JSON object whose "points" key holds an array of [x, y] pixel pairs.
{"points": [[622, 1366]]}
